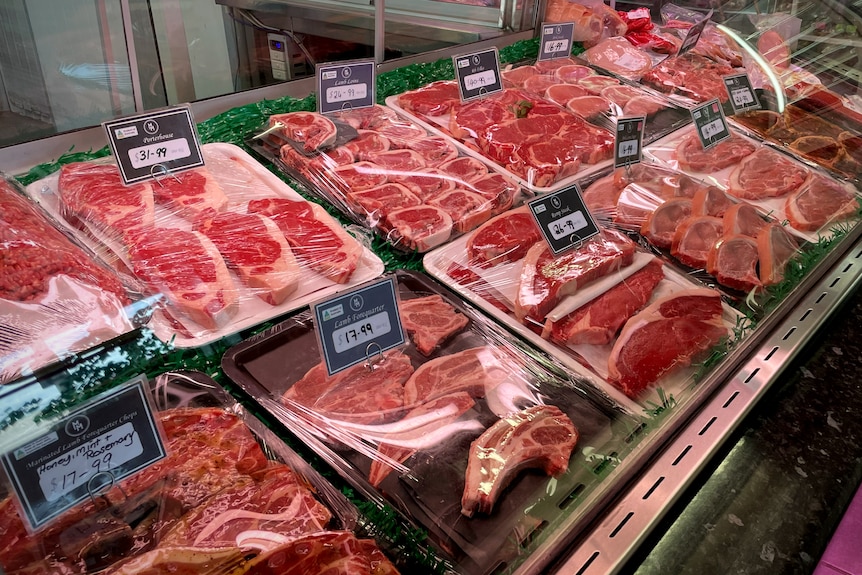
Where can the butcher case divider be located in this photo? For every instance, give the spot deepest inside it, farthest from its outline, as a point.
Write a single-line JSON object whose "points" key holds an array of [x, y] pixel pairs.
{"points": [[427, 490]]}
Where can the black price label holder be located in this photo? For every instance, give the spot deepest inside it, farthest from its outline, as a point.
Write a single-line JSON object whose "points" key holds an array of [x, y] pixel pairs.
{"points": [[359, 325], [628, 141], [478, 74], [556, 41], [693, 35], [741, 93], [150, 145], [710, 123], [563, 219], [107, 439], [346, 85]]}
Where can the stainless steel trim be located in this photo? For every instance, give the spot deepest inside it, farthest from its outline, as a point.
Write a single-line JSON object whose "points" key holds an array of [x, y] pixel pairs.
{"points": [[625, 525]]}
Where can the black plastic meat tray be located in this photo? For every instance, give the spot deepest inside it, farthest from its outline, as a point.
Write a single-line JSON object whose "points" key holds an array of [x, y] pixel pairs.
{"points": [[428, 496]]}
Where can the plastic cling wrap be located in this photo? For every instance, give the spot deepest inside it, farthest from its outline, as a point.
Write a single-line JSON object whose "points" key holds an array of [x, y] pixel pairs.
{"points": [[714, 236], [540, 143], [605, 305], [56, 297], [228, 497], [414, 189], [221, 248], [410, 428], [810, 200]]}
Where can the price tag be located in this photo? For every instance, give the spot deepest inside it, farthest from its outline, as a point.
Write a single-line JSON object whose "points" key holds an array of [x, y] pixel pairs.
{"points": [[710, 123], [629, 140], [345, 86], [693, 35], [358, 325], [556, 40], [478, 74], [742, 96], [563, 219], [106, 440], [149, 145]]}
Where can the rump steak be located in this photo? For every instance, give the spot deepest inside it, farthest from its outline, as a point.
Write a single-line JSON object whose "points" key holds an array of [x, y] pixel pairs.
{"points": [[666, 335], [598, 321], [545, 279]]}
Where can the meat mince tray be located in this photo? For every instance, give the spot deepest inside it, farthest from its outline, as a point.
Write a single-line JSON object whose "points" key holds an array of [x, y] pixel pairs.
{"points": [[216, 248], [419, 466], [386, 173], [230, 495], [593, 308]]}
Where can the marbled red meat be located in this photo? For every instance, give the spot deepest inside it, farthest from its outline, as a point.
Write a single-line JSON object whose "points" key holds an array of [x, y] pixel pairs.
{"points": [[314, 131], [435, 99], [367, 145], [691, 155], [545, 279], [474, 371], [668, 334], [190, 193], [598, 321], [467, 209], [504, 238], [465, 168], [312, 234], [419, 228], [188, 270], [430, 321], [254, 247]]}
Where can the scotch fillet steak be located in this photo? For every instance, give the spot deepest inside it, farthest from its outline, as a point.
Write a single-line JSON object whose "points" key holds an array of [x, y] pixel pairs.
{"points": [[540, 437], [666, 335]]}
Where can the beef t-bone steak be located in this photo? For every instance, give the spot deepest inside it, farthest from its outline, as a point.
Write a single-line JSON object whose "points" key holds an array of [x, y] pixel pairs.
{"points": [[541, 436], [666, 335]]}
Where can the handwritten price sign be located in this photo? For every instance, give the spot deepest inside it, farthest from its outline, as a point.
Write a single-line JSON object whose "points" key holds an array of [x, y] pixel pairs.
{"points": [[556, 40]]}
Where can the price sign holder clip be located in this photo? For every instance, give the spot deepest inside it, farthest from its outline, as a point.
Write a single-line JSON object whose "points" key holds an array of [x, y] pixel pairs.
{"points": [[358, 326]]}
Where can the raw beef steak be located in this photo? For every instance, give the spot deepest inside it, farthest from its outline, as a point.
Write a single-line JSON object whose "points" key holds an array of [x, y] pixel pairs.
{"points": [[430, 321], [691, 155], [465, 169], [466, 208], [545, 279], [497, 189], [666, 335], [94, 193], [319, 241], [254, 247], [189, 271], [766, 174], [504, 238], [598, 321], [434, 150], [426, 183], [367, 145], [190, 193], [541, 437], [378, 201], [434, 99]]}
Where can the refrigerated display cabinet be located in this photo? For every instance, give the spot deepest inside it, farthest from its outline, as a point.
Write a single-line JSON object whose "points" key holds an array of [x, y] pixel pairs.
{"points": [[749, 472]]}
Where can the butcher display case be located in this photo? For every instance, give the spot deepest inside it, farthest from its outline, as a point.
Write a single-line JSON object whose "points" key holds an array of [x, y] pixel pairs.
{"points": [[642, 445]]}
